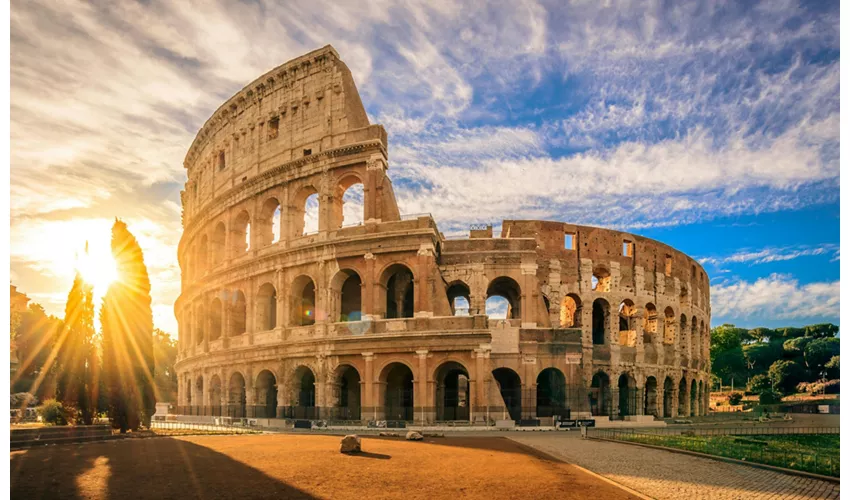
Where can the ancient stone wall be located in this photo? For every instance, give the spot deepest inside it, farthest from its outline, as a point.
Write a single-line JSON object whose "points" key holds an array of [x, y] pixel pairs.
{"points": [[386, 319]]}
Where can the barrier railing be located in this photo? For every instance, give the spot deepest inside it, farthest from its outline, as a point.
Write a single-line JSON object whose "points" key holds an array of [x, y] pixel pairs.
{"points": [[729, 443], [238, 426]]}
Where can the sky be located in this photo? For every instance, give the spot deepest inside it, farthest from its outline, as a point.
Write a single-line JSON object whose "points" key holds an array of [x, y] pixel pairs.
{"points": [[712, 127]]}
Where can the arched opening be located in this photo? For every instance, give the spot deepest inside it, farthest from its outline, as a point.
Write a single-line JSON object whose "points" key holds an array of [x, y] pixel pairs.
{"points": [[701, 399], [601, 279], [650, 323], [215, 396], [397, 381], [510, 388], [398, 285], [238, 316], [199, 325], [452, 392], [266, 404], [600, 395], [241, 236], [268, 223], [694, 338], [694, 400], [303, 301], [236, 396], [683, 397], [601, 314], [347, 393], [215, 319], [683, 335], [267, 307], [628, 334], [668, 397], [188, 409], [507, 289], [348, 204], [627, 388], [203, 256], [347, 289], [458, 295], [199, 390], [669, 326], [552, 394], [305, 394], [571, 311], [218, 242], [305, 212], [651, 399]]}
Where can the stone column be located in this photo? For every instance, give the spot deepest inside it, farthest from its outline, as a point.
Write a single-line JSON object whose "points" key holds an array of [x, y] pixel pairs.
{"points": [[421, 405], [528, 301], [478, 400], [368, 397]]}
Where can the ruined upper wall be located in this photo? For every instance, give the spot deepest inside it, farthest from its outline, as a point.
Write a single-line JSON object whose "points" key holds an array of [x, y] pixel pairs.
{"points": [[301, 108]]}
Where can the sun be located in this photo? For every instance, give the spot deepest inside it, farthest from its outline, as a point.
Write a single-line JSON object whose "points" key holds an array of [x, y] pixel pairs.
{"points": [[97, 269]]}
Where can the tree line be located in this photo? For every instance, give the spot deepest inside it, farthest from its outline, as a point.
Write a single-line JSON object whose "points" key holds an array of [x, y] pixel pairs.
{"points": [[776, 362], [120, 371]]}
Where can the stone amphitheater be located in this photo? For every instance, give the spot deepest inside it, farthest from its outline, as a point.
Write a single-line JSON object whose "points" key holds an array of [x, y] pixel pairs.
{"points": [[303, 301]]}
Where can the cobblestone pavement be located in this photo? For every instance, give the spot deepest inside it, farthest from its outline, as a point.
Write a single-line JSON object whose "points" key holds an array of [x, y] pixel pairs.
{"points": [[662, 474]]}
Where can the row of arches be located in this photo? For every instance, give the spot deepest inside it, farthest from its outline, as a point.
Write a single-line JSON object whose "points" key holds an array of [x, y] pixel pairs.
{"points": [[233, 238], [452, 395]]}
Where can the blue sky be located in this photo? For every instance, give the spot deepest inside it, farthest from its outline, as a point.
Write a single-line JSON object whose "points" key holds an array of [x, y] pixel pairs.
{"points": [[711, 127]]}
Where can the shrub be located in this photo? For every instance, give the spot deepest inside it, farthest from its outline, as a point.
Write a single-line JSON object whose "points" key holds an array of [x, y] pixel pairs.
{"points": [[769, 397], [758, 384], [833, 367], [52, 412], [832, 387], [785, 375], [22, 400], [735, 398]]}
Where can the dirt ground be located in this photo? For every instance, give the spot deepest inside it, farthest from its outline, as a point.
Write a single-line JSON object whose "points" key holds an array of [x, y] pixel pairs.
{"points": [[298, 466]]}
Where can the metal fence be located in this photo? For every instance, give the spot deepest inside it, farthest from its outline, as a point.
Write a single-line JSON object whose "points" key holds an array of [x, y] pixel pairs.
{"points": [[751, 450], [193, 428]]}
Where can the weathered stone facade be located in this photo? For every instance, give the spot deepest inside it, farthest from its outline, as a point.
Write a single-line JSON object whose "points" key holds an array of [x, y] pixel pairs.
{"points": [[385, 320]]}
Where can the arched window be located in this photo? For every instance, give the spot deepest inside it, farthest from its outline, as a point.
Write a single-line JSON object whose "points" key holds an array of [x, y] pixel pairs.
{"points": [[305, 219], [218, 241], [241, 236], [601, 313], [267, 307], [508, 290], [268, 224], [303, 301], [683, 335], [571, 311], [266, 395], [650, 323], [458, 295], [627, 388], [346, 288], [669, 326], [348, 205], [203, 256], [215, 319], [601, 280], [199, 325], [399, 287], [238, 316], [695, 350]]}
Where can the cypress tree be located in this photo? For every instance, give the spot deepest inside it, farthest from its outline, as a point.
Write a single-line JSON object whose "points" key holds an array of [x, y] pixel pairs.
{"points": [[127, 328], [76, 354]]}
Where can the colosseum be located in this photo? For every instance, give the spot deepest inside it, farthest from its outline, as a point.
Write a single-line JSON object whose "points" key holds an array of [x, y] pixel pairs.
{"points": [[302, 302]]}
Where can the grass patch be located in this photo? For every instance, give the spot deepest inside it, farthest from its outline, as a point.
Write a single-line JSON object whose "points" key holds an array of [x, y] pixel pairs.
{"points": [[816, 453]]}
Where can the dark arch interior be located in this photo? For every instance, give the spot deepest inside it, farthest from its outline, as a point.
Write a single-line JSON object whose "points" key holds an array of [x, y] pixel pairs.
{"points": [[348, 397], [452, 394], [400, 293], [628, 401], [458, 290], [552, 394], [399, 395], [600, 395], [350, 299], [305, 387], [650, 395], [266, 395], [236, 398], [510, 387], [600, 321], [508, 289]]}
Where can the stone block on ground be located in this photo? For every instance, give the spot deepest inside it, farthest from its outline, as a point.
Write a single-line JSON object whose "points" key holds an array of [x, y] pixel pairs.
{"points": [[350, 444], [413, 436]]}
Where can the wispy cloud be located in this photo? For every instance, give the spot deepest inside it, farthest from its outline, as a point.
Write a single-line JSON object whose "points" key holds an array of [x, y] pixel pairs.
{"points": [[774, 297], [767, 255]]}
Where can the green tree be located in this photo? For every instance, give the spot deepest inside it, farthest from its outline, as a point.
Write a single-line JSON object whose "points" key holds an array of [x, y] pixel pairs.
{"points": [[759, 384], [833, 369], [822, 330], [165, 355], [35, 336], [76, 353], [761, 355], [127, 324], [785, 375], [818, 353], [727, 355], [795, 347]]}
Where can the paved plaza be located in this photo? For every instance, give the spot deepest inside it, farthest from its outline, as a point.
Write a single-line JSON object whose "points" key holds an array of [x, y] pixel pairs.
{"points": [[666, 475]]}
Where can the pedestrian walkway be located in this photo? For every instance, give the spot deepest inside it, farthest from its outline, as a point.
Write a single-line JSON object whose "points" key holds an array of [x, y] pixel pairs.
{"points": [[666, 475]]}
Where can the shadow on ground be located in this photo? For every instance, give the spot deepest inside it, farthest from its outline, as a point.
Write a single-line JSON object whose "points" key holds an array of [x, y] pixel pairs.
{"points": [[143, 468]]}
